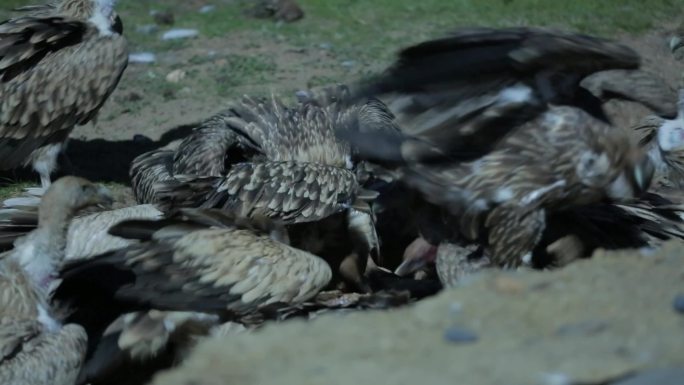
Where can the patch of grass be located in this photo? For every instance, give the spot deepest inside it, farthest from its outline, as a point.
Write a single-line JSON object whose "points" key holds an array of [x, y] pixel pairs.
{"points": [[15, 189], [239, 70]]}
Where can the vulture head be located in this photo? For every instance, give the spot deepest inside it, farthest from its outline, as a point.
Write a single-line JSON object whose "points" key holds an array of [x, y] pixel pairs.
{"points": [[634, 179], [71, 194], [671, 132], [99, 12]]}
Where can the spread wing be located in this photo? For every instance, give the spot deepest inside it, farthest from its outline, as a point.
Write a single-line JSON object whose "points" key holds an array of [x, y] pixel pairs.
{"points": [[441, 85], [54, 73]]}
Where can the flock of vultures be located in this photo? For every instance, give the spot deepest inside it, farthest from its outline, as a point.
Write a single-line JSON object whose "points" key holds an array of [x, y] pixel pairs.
{"points": [[485, 149]]}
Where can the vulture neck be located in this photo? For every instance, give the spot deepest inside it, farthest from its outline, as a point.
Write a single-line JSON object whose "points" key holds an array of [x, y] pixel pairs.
{"points": [[41, 252]]}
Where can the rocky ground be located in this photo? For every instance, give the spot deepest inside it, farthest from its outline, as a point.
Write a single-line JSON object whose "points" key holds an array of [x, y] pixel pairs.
{"points": [[617, 318]]}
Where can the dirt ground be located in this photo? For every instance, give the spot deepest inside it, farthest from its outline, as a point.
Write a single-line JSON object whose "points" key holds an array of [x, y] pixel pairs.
{"points": [[607, 320]]}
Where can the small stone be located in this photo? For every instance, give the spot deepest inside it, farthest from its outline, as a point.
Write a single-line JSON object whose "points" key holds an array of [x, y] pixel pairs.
{"points": [[678, 303], [348, 63], [555, 379], [584, 328], [325, 46], [142, 57], [455, 308], [460, 335], [133, 96], [176, 76], [147, 29], [163, 17], [179, 33], [207, 9]]}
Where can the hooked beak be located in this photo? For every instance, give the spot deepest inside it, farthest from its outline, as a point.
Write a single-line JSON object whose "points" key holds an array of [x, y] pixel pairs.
{"points": [[643, 175], [418, 255], [104, 199]]}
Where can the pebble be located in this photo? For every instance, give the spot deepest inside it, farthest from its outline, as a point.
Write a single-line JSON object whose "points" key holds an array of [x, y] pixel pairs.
{"points": [[142, 57], [678, 303], [325, 46], [460, 335], [207, 9], [147, 29], [555, 379], [348, 63], [176, 76], [583, 328], [179, 33], [163, 17]]}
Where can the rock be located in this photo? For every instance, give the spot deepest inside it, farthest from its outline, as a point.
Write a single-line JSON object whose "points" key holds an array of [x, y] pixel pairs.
{"points": [[348, 63], [678, 303], [176, 76], [325, 46], [163, 17], [142, 57], [179, 33], [287, 11], [147, 29], [460, 335], [207, 9]]}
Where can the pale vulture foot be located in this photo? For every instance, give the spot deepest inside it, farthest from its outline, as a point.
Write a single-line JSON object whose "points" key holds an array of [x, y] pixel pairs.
{"points": [[44, 162]]}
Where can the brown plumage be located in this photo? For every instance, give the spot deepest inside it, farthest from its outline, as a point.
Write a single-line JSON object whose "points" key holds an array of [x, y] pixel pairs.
{"points": [[200, 261], [565, 158], [57, 67], [35, 348], [260, 157]]}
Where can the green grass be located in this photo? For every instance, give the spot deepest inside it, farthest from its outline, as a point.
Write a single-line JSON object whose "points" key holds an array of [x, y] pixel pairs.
{"points": [[365, 29]]}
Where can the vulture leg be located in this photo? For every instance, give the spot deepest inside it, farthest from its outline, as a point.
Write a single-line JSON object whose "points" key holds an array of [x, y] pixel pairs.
{"points": [[513, 234], [44, 162]]}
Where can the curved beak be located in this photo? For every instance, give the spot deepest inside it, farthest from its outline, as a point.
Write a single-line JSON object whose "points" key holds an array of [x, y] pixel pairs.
{"points": [[104, 198]]}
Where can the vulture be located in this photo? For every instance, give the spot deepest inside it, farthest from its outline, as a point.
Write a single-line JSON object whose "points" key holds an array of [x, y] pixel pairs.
{"points": [[58, 65], [569, 235], [193, 260], [664, 141], [36, 347], [260, 157], [508, 128]]}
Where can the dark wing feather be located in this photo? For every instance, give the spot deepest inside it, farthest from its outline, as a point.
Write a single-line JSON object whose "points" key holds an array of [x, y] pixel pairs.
{"points": [[149, 169], [211, 148], [226, 271], [445, 83]]}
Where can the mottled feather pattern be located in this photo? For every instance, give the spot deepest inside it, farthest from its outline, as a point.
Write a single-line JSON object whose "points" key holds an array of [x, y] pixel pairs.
{"points": [[206, 151], [42, 358], [291, 191], [304, 133], [59, 88], [149, 169], [231, 270], [535, 167]]}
